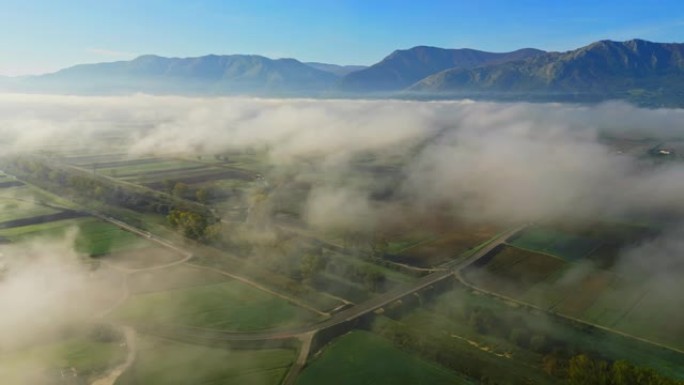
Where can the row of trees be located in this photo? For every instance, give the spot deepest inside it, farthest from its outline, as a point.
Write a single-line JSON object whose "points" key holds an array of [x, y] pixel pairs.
{"points": [[193, 220], [585, 370]]}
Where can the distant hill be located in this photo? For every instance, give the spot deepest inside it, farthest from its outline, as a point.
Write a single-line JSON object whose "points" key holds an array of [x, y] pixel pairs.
{"points": [[339, 70], [402, 68], [635, 69], [210, 74]]}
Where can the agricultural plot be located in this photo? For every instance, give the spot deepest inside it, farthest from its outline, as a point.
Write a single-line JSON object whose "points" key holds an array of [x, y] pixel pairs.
{"points": [[134, 171], [78, 158], [450, 314], [94, 237], [599, 242], [143, 257], [12, 209], [551, 241], [161, 361], [656, 315], [174, 277], [224, 305], [365, 358], [80, 359], [437, 250], [583, 292], [512, 271]]}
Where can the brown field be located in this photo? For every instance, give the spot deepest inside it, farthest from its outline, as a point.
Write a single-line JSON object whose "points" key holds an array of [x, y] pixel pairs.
{"points": [[444, 248]]}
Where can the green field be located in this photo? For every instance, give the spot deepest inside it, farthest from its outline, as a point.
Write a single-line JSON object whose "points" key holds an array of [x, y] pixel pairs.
{"points": [[450, 316], [512, 271], [174, 277], [88, 357], [552, 241], [228, 305], [11, 209], [164, 362], [364, 358], [94, 236], [583, 292]]}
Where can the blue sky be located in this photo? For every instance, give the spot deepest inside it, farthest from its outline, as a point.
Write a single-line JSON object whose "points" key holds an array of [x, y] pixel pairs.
{"points": [[44, 35]]}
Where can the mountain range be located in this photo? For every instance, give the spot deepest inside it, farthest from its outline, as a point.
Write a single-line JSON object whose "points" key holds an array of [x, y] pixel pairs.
{"points": [[638, 70]]}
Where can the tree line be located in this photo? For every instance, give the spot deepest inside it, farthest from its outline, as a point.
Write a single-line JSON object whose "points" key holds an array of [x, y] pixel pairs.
{"points": [[193, 220]]}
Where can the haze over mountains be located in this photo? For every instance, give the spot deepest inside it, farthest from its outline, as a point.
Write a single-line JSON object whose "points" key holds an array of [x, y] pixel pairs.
{"points": [[645, 72]]}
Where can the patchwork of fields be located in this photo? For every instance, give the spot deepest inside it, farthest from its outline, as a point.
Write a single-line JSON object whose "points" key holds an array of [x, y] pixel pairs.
{"points": [[571, 274], [176, 295]]}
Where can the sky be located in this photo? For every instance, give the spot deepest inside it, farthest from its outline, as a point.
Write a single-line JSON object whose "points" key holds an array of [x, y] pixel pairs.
{"points": [[38, 36]]}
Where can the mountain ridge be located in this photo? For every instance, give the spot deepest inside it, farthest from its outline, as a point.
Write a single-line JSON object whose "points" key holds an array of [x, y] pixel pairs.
{"points": [[641, 71], [402, 68]]}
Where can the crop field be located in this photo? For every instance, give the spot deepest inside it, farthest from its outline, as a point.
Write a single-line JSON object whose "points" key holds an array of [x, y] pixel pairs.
{"points": [[656, 315], [447, 316], [225, 305], [94, 236], [583, 292], [513, 271], [597, 241], [12, 209], [168, 362], [365, 358], [143, 257], [174, 277], [82, 357], [154, 172], [551, 241], [437, 250]]}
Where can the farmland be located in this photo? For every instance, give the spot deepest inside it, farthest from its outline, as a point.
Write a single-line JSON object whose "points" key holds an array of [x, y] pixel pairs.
{"points": [[346, 361], [264, 272], [162, 361], [206, 300], [469, 330], [445, 244], [571, 274], [82, 356], [93, 237]]}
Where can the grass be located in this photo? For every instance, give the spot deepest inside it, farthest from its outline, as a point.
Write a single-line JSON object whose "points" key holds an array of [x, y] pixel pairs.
{"points": [[551, 241], [174, 277], [163, 362], [229, 305], [95, 237], [364, 358], [446, 316], [45, 363], [11, 209], [512, 271]]}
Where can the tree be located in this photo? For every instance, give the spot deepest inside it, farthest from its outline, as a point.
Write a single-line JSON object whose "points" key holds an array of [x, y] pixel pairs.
{"points": [[191, 224]]}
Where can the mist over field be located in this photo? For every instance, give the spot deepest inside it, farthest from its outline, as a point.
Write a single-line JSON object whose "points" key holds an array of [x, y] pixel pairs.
{"points": [[470, 162], [508, 162]]}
